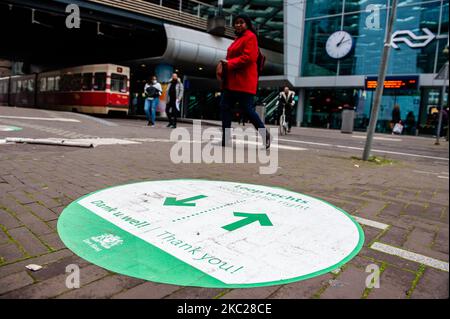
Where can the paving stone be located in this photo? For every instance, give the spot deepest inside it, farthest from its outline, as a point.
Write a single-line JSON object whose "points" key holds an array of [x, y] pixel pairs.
{"points": [[4, 239], [21, 197], [56, 285], [10, 252], [103, 288], [30, 243], [8, 221], [53, 241], [42, 212], [390, 259], [395, 236], [41, 260], [394, 284], [195, 293], [301, 289], [419, 238], [14, 281], [251, 293], [432, 285], [392, 210], [350, 284], [33, 223], [148, 290]]}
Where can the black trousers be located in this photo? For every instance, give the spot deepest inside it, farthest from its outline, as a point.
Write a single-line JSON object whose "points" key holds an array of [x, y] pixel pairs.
{"points": [[172, 113], [247, 107]]}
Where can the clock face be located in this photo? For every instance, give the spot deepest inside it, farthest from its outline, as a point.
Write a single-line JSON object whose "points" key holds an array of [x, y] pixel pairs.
{"points": [[339, 44]]}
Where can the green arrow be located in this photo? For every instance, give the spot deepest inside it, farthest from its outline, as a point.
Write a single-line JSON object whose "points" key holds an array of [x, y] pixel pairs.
{"points": [[249, 218], [172, 201]]}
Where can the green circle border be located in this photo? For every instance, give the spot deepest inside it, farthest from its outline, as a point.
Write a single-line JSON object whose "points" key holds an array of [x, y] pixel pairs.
{"points": [[218, 283]]}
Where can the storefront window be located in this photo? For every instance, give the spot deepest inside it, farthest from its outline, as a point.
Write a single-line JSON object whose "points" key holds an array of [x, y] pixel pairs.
{"points": [[368, 43], [362, 5], [317, 8], [316, 61], [323, 107]]}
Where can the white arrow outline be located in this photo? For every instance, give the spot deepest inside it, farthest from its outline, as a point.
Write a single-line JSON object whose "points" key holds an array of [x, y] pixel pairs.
{"points": [[428, 38]]}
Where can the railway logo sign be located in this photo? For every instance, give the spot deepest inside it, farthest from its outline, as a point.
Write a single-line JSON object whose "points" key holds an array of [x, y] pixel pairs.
{"points": [[8, 128], [204, 233]]}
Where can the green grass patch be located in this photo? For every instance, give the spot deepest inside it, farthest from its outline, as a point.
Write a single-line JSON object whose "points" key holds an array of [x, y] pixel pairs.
{"points": [[376, 160]]}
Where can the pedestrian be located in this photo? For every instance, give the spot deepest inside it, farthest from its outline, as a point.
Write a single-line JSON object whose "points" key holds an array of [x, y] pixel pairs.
{"points": [[410, 123], [152, 91], [239, 75], [174, 98], [286, 101], [396, 117]]}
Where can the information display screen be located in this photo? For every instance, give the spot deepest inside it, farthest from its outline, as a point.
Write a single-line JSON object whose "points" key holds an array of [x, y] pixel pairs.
{"points": [[394, 83]]}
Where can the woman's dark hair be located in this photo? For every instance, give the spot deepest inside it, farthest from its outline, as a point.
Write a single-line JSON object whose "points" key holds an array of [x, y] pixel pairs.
{"points": [[247, 20]]}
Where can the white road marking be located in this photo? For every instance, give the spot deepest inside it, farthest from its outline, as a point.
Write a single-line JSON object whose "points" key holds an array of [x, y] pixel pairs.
{"points": [[446, 177], [428, 261], [378, 138], [370, 223], [56, 119], [95, 119], [361, 149]]}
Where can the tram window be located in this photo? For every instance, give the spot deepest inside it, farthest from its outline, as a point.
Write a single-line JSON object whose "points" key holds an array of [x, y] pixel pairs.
{"points": [[76, 82], [118, 83], [30, 85], [87, 81], [100, 81], [43, 84], [50, 83], [57, 82], [65, 82], [13, 86]]}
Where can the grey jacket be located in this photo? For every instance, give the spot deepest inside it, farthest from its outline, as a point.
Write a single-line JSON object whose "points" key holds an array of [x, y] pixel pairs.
{"points": [[179, 90]]}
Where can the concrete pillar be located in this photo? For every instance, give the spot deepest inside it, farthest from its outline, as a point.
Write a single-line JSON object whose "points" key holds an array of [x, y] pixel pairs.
{"points": [[300, 106]]}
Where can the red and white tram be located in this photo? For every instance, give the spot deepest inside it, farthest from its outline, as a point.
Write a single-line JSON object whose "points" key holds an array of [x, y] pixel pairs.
{"points": [[99, 88]]}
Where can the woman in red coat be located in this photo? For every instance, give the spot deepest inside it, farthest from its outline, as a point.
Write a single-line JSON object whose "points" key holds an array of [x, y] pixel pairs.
{"points": [[240, 75]]}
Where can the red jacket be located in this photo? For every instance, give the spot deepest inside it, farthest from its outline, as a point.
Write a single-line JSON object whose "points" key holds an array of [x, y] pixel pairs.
{"points": [[242, 73]]}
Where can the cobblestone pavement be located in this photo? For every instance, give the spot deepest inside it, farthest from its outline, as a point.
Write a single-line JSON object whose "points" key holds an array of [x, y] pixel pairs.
{"points": [[38, 181]]}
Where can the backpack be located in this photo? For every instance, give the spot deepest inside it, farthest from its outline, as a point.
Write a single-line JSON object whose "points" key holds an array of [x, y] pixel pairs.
{"points": [[260, 62], [152, 91]]}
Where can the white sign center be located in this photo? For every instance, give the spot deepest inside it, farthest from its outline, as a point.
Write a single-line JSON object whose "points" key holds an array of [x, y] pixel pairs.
{"points": [[237, 233]]}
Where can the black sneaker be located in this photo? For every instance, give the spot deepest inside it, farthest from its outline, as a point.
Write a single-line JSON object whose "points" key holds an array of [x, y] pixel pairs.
{"points": [[169, 125], [149, 123]]}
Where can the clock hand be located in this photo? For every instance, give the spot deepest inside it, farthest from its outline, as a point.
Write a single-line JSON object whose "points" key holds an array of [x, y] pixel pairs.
{"points": [[341, 41]]}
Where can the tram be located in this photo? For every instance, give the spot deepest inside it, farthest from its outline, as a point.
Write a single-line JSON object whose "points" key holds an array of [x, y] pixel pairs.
{"points": [[99, 88]]}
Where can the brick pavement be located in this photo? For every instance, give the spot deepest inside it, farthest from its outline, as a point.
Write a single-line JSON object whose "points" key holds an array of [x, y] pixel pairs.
{"points": [[38, 181]]}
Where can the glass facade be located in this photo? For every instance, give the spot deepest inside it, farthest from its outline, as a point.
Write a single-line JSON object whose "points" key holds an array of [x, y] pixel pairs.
{"points": [[365, 21]]}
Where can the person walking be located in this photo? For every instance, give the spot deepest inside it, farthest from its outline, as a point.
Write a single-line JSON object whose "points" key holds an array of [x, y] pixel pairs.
{"points": [[396, 117], [286, 101], [152, 92], [239, 75], [174, 97]]}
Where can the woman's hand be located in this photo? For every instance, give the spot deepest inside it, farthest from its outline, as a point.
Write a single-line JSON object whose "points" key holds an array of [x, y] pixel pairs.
{"points": [[224, 61]]}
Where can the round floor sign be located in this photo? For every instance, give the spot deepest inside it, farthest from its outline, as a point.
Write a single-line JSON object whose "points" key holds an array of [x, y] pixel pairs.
{"points": [[209, 233], [8, 128]]}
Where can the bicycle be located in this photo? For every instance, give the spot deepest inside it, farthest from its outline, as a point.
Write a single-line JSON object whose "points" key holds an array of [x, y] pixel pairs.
{"points": [[283, 124]]}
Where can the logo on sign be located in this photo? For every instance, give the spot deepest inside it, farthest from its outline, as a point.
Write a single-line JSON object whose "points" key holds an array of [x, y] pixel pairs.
{"points": [[421, 40], [108, 241]]}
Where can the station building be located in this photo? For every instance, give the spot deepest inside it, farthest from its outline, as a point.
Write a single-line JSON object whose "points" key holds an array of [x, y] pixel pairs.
{"points": [[332, 77]]}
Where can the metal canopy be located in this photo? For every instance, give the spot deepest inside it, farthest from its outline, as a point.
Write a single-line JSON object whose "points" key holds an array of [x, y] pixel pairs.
{"points": [[267, 15]]}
